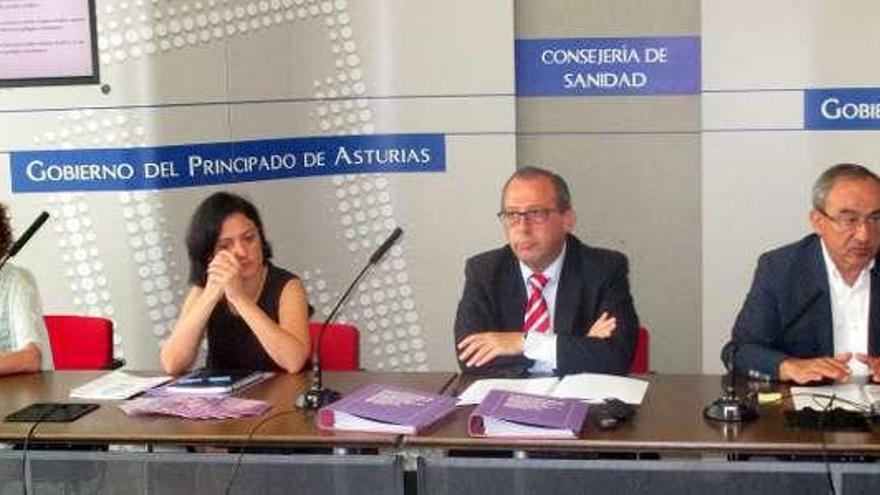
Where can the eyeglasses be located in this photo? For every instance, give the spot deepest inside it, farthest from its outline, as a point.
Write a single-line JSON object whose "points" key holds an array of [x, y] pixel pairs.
{"points": [[848, 222], [536, 215]]}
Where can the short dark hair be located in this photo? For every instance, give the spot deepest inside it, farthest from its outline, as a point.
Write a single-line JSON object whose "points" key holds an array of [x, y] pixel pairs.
{"points": [[838, 172], [5, 230], [563, 195], [204, 230]]}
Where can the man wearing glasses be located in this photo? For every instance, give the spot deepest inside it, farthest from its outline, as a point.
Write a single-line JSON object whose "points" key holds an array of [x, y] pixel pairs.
{"points": [[813, 312], [545, 302]]}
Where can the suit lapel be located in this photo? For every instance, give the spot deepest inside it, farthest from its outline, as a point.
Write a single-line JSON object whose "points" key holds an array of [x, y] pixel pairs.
{"points": [[569, 289], [814, 283], [512, 296], [874, 311], [811, 290]]}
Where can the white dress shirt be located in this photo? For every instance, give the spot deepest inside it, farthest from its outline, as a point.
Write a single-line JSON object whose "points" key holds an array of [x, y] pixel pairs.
{"points": [[541, 347], [850, 309]]}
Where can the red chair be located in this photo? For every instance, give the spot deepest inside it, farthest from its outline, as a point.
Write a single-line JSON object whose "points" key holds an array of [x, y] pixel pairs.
{"points": [[639, 362], [81, 342], [341, 347]]}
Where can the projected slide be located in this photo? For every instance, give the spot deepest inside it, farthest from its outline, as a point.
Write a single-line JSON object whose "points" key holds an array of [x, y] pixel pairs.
{"points": [[45, 39]]}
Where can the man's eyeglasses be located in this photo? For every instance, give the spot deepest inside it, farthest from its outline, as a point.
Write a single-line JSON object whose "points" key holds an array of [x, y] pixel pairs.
{"points": [[537, 215], [848, 222]]}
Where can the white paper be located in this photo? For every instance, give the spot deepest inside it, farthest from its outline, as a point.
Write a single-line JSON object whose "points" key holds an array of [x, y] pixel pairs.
{"points": [[594, 387], [350, 422], [475, 393], [850, 396], [500, 428], [117, 385], [872, 394]]}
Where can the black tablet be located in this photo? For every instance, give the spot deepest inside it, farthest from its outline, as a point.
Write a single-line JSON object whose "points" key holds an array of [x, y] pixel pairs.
{"points": [[53, 412]]}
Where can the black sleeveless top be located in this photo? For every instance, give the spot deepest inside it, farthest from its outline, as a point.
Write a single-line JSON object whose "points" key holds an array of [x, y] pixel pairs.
{"points": [[232, 345]]}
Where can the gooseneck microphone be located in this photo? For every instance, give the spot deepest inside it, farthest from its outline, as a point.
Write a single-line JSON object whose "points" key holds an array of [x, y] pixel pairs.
{"points": [[381, 250], [21, 241], [317, 396], [729, 407]]}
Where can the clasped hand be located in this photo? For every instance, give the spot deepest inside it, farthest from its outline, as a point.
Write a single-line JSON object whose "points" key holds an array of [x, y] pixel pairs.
{"points": [[223, 274]]}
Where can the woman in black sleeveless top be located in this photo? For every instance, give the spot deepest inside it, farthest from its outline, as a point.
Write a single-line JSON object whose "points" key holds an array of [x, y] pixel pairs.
{"points": [[254, 313]]}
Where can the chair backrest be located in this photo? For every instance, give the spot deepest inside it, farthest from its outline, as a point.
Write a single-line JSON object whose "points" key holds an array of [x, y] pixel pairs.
{"points": [[80, 342], [341, 347], [639, 362]]}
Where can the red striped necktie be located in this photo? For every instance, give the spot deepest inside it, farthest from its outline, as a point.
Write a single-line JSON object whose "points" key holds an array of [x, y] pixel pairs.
{"points": [[537, 316]]}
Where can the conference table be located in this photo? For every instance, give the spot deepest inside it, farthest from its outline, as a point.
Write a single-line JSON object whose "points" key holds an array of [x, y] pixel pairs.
{"points": [[283, 425], [668, 447], [670, 420], [281, 451]]}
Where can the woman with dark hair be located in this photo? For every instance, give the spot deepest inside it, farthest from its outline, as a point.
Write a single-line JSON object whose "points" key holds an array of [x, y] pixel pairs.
{"points": [[255, 314], [24, 346]]}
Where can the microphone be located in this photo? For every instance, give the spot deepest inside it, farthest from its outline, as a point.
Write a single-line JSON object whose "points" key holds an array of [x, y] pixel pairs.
{"points": [[21, 241], [317, 396], [380, 252], [730, 408]]}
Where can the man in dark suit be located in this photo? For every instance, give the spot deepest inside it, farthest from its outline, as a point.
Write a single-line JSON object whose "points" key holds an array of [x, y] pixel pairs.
{"points": [[545, 303], [813, 312]]}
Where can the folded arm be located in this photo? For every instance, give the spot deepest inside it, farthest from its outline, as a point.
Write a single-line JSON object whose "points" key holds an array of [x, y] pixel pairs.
{"points": [[607, 344]]}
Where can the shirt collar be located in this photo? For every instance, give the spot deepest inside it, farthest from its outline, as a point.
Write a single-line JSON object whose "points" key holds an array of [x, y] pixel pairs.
{"points": [[551, 272], [834, 274]]}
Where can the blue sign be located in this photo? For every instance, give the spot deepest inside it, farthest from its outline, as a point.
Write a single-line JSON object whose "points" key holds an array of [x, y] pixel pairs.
{"points": [[167, 167], [842, 109], [608, 66]]}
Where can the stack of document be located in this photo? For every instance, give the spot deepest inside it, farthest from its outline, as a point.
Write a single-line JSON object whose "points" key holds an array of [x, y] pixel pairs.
{"points": [[386, 409], [196, 407], [515, 415], [849, 396], [117, 385], [212, 382], [590, 387]]}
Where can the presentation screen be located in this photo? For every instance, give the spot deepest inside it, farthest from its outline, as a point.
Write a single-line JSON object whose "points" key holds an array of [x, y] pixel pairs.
{"points": [[47, 42]]}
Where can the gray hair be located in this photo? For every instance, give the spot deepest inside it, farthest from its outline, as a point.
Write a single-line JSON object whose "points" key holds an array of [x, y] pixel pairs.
{"points": [[563, 195], [848, 171]]}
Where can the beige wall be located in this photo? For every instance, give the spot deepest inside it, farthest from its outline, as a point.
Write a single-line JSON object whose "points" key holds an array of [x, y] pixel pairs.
{"points": [[280, 69], [690, 188], [633, 164]]}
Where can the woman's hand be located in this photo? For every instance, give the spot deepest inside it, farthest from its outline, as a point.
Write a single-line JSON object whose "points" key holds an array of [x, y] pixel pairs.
{"points": [[223, 275]]}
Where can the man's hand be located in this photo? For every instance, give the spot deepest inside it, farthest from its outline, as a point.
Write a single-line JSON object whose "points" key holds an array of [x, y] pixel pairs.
{"points": [[603, 327], [815, 369], [873, 364], [480, 348]]}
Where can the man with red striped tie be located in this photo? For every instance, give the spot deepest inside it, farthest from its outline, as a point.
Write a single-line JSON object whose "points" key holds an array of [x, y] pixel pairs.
{"points": [[545, 302]]}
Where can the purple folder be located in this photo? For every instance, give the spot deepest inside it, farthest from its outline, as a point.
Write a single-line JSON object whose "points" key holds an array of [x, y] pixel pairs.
{"points": [[386, 409], [514, 414]]}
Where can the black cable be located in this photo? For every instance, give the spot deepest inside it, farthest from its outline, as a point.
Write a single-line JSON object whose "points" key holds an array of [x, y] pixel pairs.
{"points": [[831, 489], [25, 479], [826, 410], [247, 441]]}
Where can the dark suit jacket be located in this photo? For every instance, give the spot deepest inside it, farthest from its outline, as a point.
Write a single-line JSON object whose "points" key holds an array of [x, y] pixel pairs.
{"points": [[787, 312], [591, 281]]}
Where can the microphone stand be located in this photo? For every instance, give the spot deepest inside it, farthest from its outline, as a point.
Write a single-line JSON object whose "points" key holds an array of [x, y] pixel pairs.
{"points": [[317, 396], [729, 407]]}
